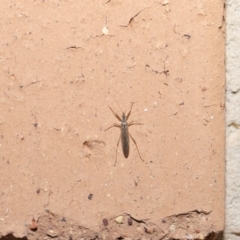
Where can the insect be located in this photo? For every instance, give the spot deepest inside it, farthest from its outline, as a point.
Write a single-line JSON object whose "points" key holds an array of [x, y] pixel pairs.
{"points": [[124, 136]]}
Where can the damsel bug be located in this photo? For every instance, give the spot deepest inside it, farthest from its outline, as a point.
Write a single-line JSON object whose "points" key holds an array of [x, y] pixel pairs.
{"points": [[124, 132]]}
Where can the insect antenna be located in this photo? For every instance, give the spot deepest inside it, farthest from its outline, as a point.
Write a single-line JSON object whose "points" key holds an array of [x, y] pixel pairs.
{"points": [[119, 106]]}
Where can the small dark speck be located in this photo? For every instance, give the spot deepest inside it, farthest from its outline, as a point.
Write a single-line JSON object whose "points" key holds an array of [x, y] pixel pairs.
{"points": [[38, 190], [105, 222], [187, 36], [163, 221], [146, 230], [63, 219], [90, 196], [130, 221]]}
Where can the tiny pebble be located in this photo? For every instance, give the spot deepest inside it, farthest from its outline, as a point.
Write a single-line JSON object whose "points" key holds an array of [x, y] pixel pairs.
{"points": [[105, 30], [130, 221], [119, 219], [105, 222], [90, 196], [51, 233], [146, 230], [33, 227]]}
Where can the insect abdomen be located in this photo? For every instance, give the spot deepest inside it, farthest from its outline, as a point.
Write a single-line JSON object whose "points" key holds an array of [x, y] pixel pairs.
{"points": [[125, 141]]}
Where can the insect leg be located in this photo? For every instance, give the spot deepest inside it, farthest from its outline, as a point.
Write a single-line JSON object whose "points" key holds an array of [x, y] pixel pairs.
{"points": [[115, 114], [114, 125], [136, 146], [117, 149], [129, 111], [134, 123]]}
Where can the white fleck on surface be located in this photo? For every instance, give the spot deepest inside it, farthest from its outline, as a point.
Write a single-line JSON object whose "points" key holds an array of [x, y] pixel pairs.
{"points": [[105, 30]]}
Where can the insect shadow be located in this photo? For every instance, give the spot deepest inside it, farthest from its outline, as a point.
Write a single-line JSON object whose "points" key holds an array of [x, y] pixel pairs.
{"points": [[124, 136]]}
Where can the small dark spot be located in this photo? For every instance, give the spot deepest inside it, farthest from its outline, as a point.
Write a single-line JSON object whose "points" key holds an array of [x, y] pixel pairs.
{"points": [[91, 144], [105, 222], [90, 196], [187, 36], [147, 230], [35, 125], [34, 226], [163, 221], [63, 219], [130, 221], [38, 190], [166, 72]]}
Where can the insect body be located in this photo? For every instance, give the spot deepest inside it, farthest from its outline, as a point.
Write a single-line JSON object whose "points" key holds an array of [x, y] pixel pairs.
{"points": [[124, 132], [124, 136]]}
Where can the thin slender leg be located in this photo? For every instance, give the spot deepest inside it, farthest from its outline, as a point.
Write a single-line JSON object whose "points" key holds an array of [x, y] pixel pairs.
{"points": [[134, 123], [136, 146], [114, 125], [115, 114], [129, 111], [117, 150]]}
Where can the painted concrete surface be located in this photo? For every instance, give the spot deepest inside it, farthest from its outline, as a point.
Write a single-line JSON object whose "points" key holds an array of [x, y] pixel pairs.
{"points": [[62, 64], [232, 231]]}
